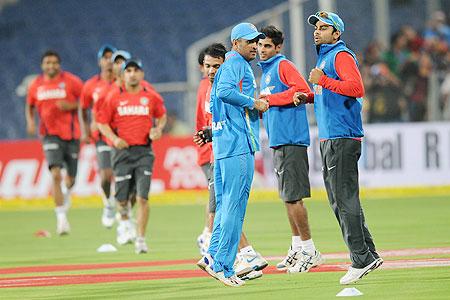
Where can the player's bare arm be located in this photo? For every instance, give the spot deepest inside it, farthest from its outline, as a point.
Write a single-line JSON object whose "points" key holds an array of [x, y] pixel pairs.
{"points": [[106, 130], [84, 125], [156, 132], [29, 116]]}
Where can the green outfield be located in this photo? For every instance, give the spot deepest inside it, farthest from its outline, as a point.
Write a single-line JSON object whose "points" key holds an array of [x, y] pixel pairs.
{"points": [[396, 223]]}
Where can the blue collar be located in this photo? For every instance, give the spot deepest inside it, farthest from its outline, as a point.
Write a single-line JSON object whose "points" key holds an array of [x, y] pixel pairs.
{"points": [[325, 48], [266, 63]]}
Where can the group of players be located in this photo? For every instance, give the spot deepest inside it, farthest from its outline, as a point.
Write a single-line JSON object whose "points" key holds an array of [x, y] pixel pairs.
{"points": [[127, 114], [228, 113], [122, 107]]}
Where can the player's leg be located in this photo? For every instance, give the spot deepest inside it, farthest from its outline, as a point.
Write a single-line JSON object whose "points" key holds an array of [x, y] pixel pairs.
{"points": [[71, 152], [54, 154], [143, 175], [122, 169], [238, 174], [205, 236], [106, 177]]}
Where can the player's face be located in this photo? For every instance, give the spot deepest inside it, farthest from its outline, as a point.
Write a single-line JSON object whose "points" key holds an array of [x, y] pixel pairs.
{"points": [[50, 66], [323, 34], [211, 65], [105, 62], [117, 66], [267, 49], [246, 48], [133, 76]]}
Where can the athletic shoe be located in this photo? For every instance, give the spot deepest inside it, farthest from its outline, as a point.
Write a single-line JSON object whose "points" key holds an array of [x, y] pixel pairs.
{"points": [[108, 216], [62, 224], [253, 260], [140, 245], [252, 275], [355, 274], [125, 233], [205, 261], [289, 261], [203, 242], [306, 261], [232, 281]]}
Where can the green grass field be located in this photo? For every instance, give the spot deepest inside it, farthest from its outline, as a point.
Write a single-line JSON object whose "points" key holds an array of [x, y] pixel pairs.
{"points": [[395, 224]]}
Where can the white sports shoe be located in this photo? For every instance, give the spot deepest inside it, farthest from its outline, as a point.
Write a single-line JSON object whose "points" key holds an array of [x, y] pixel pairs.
{"points": [[247, 262], [140, 245], [108, 216], [205, 261], [306, 261], [203, 242], [289, 261], [355, 274], [62, 224], [232, 281], [252, 275], [126, 232]]}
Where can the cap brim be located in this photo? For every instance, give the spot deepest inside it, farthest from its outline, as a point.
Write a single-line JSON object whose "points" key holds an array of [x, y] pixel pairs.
{"points": [[312, 20], [253, 35], [132, 64]]}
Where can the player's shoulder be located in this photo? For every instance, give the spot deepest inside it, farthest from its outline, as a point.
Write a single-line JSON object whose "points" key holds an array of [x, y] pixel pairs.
{"points": [[70, 77], [93, 80], [38, 80]]}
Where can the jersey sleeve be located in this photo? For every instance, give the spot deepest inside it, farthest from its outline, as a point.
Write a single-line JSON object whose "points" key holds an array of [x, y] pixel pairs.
{"points": [[350, 83], [76, 85], [159, 108], [291, 77], [231, 77], [106, 110]]}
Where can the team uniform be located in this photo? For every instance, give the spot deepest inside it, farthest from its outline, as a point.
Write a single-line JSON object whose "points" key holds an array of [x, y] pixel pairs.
{"points": [[130, 116], [235, 130], [94, 91], [60, 130]]}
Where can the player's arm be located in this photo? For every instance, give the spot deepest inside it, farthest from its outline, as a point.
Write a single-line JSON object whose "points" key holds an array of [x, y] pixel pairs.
{"points": [[29, 116], [104, 119], [156, 132], [350, 83], [85, 103], [291, 77]]}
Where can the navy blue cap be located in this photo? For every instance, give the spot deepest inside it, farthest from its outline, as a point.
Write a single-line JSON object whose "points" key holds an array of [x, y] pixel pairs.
{"points": [[136, 62], [121, 53]]}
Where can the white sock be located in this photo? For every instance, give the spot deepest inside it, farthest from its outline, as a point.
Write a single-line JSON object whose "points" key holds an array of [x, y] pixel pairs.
{"points": [[60, 211], [248, 250], [206, 230], [296, 243], [308, 246]]}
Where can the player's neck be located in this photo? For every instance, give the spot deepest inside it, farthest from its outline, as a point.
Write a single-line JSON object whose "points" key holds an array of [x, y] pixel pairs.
{"points": [[133, 89], [48, 77], [106, 75]]}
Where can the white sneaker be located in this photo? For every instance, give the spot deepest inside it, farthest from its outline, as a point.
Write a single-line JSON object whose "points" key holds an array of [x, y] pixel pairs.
{"points": [[205, 261], [125, 233], [252, 275], [62, 224], [108, 216], [289, 261], [140, 245], [203, 242], [355, 274], [247, 262], [232, 281], [306, 261]]}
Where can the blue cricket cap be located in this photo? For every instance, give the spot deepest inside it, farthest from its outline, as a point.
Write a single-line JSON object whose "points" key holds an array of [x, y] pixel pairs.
{"points": [[120, 53], [328, 18], [135, 62], [246, 31], [105, 48]]}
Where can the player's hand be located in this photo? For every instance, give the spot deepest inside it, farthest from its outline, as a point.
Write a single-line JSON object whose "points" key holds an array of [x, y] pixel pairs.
{"points": [[198, 140], [119, 143], [64, 105], [261, 104], [299, 98], [31, 129], [85, 138], [155, 133], [314, 75]]}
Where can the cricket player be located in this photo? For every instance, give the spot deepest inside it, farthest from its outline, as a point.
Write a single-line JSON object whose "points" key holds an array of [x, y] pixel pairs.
{"points": [[249, 263], [54, 94], [90, 95], [338, 92], [288, 131], [235, 129], [127, 120]]}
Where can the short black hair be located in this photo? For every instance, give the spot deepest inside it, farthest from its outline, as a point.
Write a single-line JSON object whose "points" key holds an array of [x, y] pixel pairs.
{"points": [[50, 53], [201, 57], [216, 50], [274, 34]]}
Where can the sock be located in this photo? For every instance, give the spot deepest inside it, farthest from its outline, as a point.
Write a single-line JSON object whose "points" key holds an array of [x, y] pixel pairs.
{"points": [[206, 230], [248, 250], [308, 246], [60, 211], [296, 243]]}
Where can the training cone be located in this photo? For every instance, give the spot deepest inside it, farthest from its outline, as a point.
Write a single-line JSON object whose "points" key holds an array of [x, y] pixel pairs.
{"points": [[42, 233], [106, 248], [349, 292]]}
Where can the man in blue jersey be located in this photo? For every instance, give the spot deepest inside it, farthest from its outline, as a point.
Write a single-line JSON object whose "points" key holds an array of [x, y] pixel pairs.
{"points": [[287, 127], [235, 127], [338, 89]]}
